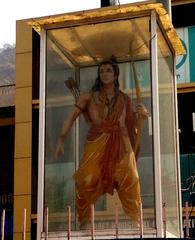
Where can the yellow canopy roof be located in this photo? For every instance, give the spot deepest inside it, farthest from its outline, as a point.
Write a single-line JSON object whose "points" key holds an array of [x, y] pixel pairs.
{"points": [[79, 29]]}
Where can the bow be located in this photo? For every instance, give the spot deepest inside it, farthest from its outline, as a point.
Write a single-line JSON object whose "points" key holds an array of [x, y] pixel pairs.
{"points": [[139, 119], [72, 85], [135, 77]]}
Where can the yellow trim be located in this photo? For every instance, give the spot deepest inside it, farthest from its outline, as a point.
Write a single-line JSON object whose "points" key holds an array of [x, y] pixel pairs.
{"points": [[7, 121], [181, 2], [185, 87]]}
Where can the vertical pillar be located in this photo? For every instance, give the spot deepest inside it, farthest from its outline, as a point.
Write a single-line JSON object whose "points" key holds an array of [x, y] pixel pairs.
{"points": [[156, 126], [23, 129]]}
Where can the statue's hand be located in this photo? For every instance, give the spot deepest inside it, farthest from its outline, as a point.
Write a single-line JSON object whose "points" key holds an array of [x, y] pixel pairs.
{"points": [[142, 110], [59, 148]]}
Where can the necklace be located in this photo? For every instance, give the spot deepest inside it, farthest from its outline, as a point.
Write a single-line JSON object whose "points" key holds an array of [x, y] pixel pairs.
{"points": [[108, 102]]}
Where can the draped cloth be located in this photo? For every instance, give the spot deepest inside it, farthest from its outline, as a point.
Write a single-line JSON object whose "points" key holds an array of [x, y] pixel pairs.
{"points": [[109, 163]]}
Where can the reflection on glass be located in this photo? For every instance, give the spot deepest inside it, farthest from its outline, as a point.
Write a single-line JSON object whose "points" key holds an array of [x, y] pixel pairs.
{"points": [[168, 135], [87, 44]]}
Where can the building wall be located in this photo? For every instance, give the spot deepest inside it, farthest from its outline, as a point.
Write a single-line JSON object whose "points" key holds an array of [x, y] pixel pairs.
{"points": [[23, 129], [7, 130]]}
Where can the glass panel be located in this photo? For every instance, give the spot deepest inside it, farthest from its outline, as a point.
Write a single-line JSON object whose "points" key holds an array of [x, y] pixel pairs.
{"points": [[59, 185], [167, 119], [145, 161]]}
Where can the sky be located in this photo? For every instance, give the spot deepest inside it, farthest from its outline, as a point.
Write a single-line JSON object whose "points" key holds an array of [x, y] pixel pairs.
{"points": [[12, 10]]}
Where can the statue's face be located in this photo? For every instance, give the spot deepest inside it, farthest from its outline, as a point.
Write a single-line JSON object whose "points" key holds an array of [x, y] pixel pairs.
{"points": [[107, 75]]}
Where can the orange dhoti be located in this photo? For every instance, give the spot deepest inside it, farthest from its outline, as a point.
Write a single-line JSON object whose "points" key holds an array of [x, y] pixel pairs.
{"points": [[108, 163]]}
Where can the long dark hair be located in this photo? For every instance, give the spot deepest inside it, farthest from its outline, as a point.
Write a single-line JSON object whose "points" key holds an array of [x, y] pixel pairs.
{"points": [[98, 84]]}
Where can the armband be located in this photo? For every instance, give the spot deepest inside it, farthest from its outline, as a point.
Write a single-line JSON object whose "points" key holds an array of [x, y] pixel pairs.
{"points": [[80, 108]]}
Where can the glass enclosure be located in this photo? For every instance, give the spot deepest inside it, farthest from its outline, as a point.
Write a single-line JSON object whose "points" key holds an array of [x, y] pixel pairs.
{"points": [[59, 184], [74, 51]]}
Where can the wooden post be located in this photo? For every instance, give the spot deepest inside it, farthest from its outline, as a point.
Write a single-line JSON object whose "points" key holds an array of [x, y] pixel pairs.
{"points": [[116, 220], [187, 220], [69, 222], [164, 220], [46, 223], [141, 221], [24, 225], [92, 221], [3, 224]]}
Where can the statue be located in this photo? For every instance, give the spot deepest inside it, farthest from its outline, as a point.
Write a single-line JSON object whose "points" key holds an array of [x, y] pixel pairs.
{"points": [[112, 144]]}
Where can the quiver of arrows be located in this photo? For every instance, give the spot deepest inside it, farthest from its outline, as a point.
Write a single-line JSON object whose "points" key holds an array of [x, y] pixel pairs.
{"points": [[73, 86]]}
